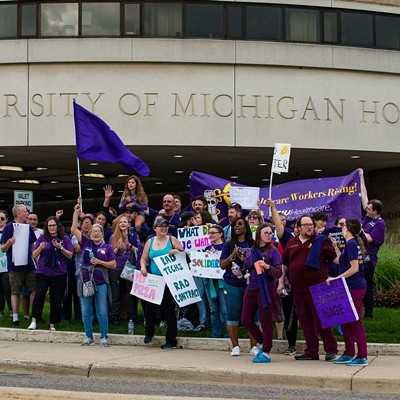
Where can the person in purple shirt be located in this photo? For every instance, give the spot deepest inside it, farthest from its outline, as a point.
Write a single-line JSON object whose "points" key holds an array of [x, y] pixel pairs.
{"points": [[52, 250], [97, 258], [351, 267], [373, 234], [265, 267]]}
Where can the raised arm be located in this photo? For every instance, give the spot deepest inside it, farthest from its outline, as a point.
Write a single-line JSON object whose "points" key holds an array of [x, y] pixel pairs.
{"points": [[75, 222], [276, 219], [364, 193]]}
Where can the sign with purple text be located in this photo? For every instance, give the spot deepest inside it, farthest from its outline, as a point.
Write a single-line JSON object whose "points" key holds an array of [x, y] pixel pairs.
{"points": [[150, 288], [336, 196], [333, 303]]}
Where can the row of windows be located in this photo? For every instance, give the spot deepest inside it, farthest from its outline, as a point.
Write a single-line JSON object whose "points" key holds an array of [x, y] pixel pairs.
{"points": [[199, 20]]}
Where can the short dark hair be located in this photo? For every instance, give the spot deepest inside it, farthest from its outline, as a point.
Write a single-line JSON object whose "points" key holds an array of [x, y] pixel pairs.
{"points": [[236, 206], [376, 204], [298, 221], [319, 216]]}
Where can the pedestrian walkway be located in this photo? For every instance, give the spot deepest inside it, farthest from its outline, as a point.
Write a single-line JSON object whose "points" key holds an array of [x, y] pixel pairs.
{"points": [[61, 354]]}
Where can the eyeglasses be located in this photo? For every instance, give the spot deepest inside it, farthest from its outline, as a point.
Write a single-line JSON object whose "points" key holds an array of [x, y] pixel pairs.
{"points": [[32, 219], [342, 224], [307, 225], [253, 217], [167, 201], [2, 218], [368, 208], [267, 233], [52, 226], [213, 233]]}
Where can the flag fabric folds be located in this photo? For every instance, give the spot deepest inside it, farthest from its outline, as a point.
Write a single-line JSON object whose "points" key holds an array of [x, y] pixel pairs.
{"points": [[96, 141]]}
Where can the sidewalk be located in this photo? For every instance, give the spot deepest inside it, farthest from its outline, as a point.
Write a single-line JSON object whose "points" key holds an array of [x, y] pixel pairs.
{"points": [[44, 352]]}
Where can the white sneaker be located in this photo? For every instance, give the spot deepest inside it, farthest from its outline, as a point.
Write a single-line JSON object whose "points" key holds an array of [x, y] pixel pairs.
{"points": [[32, 326], [104, 342], [235, 351], [87, 341], [254, 350]]}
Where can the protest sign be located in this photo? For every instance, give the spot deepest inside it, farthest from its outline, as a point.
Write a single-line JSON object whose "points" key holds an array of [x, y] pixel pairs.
{"points": [[246, 196], [20, 249], [333, 303], [150, 288], [178, 278], [280, 159], [194, 237], [335, 196], [206, 264]]}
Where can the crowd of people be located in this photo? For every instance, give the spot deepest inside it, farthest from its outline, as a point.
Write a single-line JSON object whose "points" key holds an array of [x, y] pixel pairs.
{"points": [[268, 269]]}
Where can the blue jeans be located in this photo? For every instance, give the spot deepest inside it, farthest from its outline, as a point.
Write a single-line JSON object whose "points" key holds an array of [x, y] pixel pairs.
{"points": [[201, 305], [217, 308], [101, 305], [234, 302]]}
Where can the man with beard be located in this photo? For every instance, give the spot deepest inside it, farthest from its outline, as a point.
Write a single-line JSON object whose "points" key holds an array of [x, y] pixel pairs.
{"points": [[307, 257]]}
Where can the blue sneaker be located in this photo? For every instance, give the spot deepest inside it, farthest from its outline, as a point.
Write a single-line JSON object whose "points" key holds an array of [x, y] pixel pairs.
{"points": [[168, 346], [358, 362], [147, 339], [343, 359], [261, 357]]}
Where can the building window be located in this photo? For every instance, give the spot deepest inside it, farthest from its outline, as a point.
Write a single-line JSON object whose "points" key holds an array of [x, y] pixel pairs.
{"points": [[132, 19], [8, 20], [264, 23], [387, 32], [234, 22], [203, 21], [356, 29], [28, 20], [59, 19], [163, 20], [302, 25], [100, 19], [330, 27]]}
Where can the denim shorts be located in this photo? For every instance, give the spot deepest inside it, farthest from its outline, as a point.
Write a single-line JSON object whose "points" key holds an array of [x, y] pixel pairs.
{"points": [[233, 301]]}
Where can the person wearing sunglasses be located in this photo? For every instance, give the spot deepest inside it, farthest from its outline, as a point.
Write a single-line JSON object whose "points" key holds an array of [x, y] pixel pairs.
{"points": [[5, 290]]}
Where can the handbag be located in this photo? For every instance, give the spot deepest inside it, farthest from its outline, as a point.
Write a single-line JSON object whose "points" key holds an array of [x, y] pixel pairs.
{"points": [[88, 287], [128, 272]]}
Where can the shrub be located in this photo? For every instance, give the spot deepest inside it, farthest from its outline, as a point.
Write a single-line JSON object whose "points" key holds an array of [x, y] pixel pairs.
{"points": [[387, 272], [388, 298]]}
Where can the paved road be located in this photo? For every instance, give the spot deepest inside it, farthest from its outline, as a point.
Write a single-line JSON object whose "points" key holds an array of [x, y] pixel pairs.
{"points": [[175, 390]]}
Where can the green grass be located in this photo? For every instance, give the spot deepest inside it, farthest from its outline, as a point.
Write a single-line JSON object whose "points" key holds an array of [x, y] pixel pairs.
{"points": [[384, 328]]}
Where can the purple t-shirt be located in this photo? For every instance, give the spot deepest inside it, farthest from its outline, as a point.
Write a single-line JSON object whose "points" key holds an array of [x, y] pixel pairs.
{"points": [[229, 277], [103, 252], [273, 258], [55, 269], [352, 251], [8, 234], [375, 228]]}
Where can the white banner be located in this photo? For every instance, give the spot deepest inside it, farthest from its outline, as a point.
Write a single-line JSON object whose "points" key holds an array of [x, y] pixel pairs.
{"points": [[206, 264], [150, 288], [247, 197], [178, 278], [194, 238], [280, 159], [20, 248]]}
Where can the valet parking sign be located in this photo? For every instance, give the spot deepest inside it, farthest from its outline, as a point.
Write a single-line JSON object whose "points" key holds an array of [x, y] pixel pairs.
{"points": [[178, 278], [24, 197]]}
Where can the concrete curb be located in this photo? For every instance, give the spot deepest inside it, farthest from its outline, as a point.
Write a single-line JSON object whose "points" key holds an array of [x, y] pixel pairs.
{"points": [[193, 343]]}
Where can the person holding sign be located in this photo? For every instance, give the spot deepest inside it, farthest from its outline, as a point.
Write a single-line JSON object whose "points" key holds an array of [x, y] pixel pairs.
{"points": [[214, 287], [265, 265], [235, 283], [5, 291], [160, 245], [351, 267]]}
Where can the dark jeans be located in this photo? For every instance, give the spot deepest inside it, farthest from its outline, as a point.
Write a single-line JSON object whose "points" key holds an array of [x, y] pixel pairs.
{"points": [[5, 292], [289, 310], [71, 299], [57, 288], [168, 305], [369, 271]]}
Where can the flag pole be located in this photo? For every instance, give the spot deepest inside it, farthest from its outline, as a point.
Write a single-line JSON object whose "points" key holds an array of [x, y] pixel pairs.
{"points": [[270, 185], [79, 182]]}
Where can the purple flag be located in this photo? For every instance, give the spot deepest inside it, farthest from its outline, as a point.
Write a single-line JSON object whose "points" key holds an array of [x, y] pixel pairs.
{"points": [[333, 303], [96, 141]]}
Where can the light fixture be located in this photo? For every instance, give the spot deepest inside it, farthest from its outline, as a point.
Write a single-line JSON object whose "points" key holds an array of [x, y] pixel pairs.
{"points": [[122, 176], [41, 169], [178, 156], [158, 183], [58, 195], [234, 177], [94, 163], [120, 191], [93, 175], [31, 181], [317, 170], [2, 155], [262, 165], [89, 189], [11, 168], [53, 181], [265, 179], [355, 157], [179, 172]]}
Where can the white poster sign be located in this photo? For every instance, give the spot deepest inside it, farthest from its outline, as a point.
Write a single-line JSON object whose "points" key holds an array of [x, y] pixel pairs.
{"points": [[194, 238], [206, 264], [21, 245], [150, 288], [178, 278], [247, 197], [24, 197], [280, 159]]}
